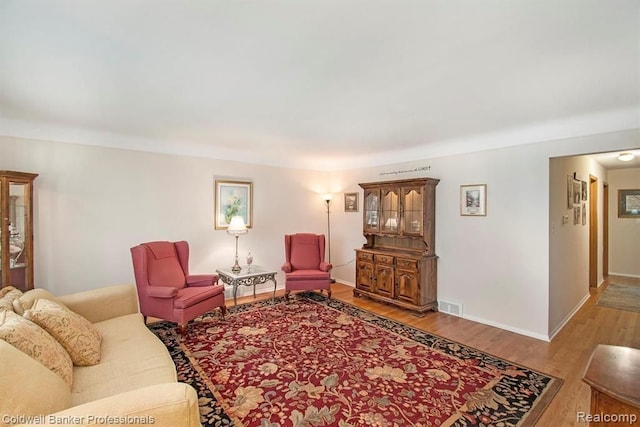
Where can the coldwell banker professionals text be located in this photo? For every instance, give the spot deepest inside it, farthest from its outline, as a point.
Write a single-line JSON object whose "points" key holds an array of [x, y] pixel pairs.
{"points": [[108, 420]]}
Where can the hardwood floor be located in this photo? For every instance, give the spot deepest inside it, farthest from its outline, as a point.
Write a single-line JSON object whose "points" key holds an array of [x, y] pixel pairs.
{"points": [[565, 357]]}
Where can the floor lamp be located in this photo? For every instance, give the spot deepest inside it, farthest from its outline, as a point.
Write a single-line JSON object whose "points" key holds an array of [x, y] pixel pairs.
{"points": [[327, 199]]}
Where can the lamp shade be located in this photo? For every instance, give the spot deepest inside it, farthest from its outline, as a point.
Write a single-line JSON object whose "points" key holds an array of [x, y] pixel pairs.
{"points": [[237, 226], [327, 197]]}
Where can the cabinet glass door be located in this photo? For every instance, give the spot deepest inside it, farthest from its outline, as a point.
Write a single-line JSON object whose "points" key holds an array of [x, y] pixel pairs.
{"points": [[16, 234], [412, 215], [390, 211], [371, 210]]}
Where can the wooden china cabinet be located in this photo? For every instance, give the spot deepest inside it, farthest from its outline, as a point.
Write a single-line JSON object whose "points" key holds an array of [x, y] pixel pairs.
{"points": [[16, 229], [397, 264]]}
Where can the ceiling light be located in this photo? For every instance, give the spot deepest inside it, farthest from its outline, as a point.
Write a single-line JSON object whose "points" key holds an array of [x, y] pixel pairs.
{"points": [[625, 157]]}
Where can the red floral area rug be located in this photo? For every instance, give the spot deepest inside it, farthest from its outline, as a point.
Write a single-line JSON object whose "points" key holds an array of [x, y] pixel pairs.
{"points": [[318, 362]]}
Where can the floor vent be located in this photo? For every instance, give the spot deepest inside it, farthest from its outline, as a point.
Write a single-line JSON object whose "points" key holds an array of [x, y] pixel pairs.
{"points": [[450, 307]]}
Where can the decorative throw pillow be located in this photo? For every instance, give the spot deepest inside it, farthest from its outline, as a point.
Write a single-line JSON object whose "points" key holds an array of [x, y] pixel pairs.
{"points": [[7, 295], [20, 305], [76, 334], [34, 341]]}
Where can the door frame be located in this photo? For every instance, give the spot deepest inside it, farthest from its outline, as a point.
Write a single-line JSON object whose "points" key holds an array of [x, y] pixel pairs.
{"points": [[593, 231]]}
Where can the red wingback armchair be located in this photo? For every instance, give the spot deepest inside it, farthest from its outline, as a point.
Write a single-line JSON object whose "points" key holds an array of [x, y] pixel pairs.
{"points": [[305, 268], [166, 289]]}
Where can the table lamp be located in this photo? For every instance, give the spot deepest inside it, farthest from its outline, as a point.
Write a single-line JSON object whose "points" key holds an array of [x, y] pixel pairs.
{"points": [[236, 228]]}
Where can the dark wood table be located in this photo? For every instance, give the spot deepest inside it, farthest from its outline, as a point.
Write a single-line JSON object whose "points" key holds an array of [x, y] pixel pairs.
{"points": [[614, 376]]}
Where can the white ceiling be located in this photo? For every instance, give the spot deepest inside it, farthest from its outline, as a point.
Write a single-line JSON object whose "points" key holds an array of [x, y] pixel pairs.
{"points": [[322, 84]]}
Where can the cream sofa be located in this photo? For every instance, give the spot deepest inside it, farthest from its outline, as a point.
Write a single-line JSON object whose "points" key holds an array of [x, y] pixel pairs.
{"points": [[135, 382]]}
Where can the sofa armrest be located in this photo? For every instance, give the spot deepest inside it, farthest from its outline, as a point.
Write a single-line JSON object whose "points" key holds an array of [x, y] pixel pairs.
{"points": [[160, 405], [105, 303], [196, 280]]}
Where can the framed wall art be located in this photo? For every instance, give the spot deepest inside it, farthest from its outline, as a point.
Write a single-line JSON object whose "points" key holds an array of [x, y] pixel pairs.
{"points": [[233, 198], [473, 200], [577, 192], [351, 202], [569, 192], [629, 203]]}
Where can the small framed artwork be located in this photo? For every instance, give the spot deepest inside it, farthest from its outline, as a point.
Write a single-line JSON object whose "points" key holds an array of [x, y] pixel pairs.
{"points": [[584, 213], [577, 192], [584, 190], [233, 198], [629, 203], [351, 202], [576, 215], [473, 200], [569, 192]]}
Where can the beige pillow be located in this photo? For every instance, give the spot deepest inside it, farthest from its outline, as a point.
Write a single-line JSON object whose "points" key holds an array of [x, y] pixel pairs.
{"points": [[76, 334], [7, 295], [25, 302], [31, 339], [28, 387]]}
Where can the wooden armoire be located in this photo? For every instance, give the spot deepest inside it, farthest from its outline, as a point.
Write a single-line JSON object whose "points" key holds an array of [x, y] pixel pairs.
{"points": [[398, 263]]}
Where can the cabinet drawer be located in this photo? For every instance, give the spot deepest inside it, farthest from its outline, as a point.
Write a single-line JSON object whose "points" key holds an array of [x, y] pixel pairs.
{"points": [[384, 259], [407, 264], [365, 256]]}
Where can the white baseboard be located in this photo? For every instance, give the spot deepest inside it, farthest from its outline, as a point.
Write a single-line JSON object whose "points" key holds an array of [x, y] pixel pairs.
{"points": [[635, 276], [524, 332], [566, 320]]}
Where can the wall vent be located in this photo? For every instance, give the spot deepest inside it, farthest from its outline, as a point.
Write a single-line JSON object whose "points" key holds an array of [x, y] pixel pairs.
{"points": [[450, 307]]}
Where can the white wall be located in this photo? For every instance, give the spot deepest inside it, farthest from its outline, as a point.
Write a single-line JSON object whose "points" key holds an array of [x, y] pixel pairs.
{"points": [[497, 266], [624, 233], [92, 204], [569, 243]]}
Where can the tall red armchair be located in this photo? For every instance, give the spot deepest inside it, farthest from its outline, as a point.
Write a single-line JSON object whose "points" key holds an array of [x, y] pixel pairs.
{"points": [[304, 267], [166, 290]]}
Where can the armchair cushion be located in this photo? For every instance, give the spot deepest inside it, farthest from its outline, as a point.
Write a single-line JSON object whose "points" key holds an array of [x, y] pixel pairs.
{"points": [[305, 252], [309, 275], [76, 334], [191, 296], [165, 267]]}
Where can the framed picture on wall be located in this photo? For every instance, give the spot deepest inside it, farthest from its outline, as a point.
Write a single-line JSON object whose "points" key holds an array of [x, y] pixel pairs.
{"points": [[569, 192], [584, 213], [576, 215], [233, 198], [577, 192], [629, 203], [473, 200], [584, 190], [351, 202]]}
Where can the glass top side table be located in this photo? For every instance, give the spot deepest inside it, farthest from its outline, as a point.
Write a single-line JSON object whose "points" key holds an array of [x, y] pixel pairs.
{"points": [[248, 276]]}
